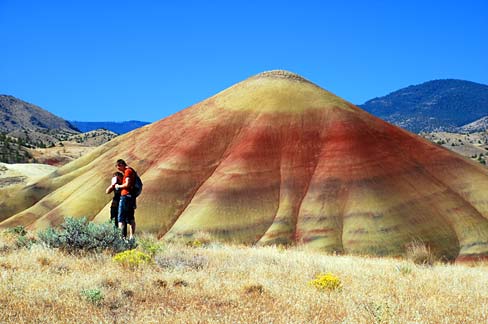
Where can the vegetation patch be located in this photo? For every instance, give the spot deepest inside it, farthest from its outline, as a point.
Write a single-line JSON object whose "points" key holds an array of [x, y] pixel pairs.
{"points": [[178, 261], [326, 281], [150, 246], [420, 253], [77, 234], [94, 296], [131, 258]]}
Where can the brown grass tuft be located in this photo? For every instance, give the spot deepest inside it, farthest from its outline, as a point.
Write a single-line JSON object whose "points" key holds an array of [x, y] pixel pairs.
{"points": [[6, 266], [44, 261], [254, 289], [160, 283], [420, 253], [128, 293], [180, 283], [110, 283]]}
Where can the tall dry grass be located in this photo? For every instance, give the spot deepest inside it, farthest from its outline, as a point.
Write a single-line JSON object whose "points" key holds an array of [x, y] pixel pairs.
{"points": [[233, 284]]}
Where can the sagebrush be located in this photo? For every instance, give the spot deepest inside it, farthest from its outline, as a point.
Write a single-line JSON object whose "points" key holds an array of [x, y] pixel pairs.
{"points": [[78, 234]]}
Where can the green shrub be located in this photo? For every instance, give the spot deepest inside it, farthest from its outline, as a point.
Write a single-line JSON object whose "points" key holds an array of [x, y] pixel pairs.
{"points": [[149, 246], [17, 230], [380, 312], [94, 296], [22, 240], [77, 234], [404, 269]]}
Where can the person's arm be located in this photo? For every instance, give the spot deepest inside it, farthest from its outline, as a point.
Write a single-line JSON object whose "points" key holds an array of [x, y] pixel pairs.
{"points": [[110, 189], [112, 185], [125, 185], [128, 182]]}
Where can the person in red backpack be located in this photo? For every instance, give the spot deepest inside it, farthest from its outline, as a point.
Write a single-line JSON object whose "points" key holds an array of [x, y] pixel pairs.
{"points": [[125, 215]]}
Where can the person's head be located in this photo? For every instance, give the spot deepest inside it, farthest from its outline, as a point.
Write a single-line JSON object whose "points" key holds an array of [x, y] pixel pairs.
{"points": [[121, 165], [119, 176]]}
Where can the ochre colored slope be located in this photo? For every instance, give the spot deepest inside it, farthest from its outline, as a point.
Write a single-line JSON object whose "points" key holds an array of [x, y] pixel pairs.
{"points": [[277, 160]]}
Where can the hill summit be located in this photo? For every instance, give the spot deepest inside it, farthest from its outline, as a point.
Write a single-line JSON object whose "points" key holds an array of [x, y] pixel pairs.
{"points": [[277, 91], [275, 159]]}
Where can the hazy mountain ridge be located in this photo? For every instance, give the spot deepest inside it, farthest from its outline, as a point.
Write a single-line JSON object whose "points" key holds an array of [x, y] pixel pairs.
{"points": [[16, 113], [438, 105], [33, 125], [478, 125], [29, 133], [93, 138], [116, 127]]}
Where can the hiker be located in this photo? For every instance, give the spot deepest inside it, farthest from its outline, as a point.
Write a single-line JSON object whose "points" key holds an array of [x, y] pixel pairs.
{"points": [[125, 214], [114, 207]]}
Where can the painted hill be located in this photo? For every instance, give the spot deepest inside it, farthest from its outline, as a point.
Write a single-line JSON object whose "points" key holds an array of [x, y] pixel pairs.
{"points": [[276, 159], [432, 106], [22, 173], [116, 127]]}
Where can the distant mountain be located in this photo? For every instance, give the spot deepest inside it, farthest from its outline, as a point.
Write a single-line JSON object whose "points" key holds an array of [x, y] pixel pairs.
{"points": [[478, 125], [433, 105], [26, 121], [116, 127], [17, 114], [95, 137], [29, 133]]}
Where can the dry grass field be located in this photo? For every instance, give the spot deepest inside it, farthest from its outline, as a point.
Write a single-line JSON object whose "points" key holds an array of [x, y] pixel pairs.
{"points": [[232, 284]]}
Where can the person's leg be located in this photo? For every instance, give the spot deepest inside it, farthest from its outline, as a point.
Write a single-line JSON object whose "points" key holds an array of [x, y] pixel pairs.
{"points": [[122, 228], [129, 232], [131, 224], [122, 216], [114, 212]]}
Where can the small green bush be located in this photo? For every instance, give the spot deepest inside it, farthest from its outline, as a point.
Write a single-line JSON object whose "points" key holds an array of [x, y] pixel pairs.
{"points": [[77, 234], [149, 246], [94, 296], [380, 312], [17, 230], [404, 269], [22, 240]]}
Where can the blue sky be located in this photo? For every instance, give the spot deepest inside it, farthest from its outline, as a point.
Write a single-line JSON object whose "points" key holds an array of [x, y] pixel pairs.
{"points": [[144, 60]]}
